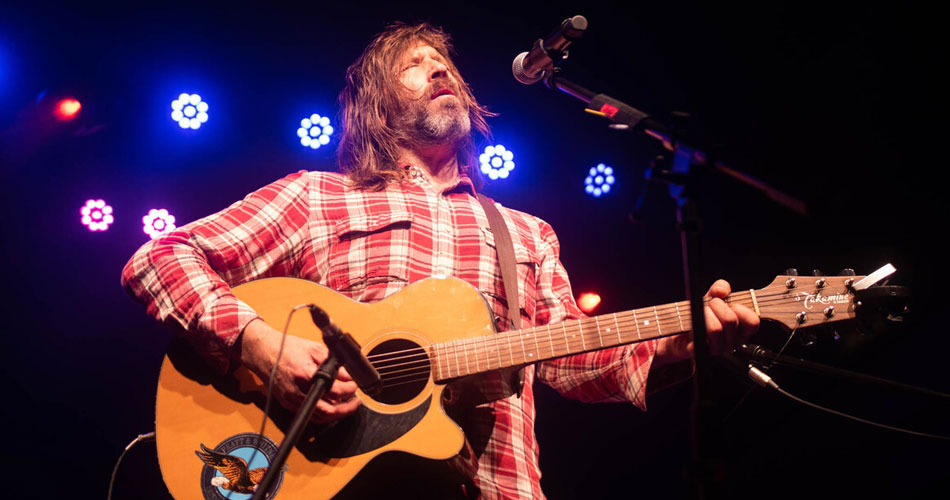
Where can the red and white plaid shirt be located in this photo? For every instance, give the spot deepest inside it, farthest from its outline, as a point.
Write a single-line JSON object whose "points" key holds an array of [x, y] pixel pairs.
{"points": [[368, 245]]}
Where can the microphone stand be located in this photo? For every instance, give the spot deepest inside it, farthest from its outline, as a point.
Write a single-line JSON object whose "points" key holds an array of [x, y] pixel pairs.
{"points": [[319, 384], [680, 175]]}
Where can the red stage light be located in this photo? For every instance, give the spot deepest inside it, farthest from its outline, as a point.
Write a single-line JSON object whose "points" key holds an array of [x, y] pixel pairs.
{"points": [[67, 109], [588, 302]]}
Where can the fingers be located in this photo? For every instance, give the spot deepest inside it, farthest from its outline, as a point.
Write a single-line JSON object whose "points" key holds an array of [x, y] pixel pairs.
{"points": [[748, 322], [720, 289], [329, 412], [341, 390], [338, 402], [722, 326]]}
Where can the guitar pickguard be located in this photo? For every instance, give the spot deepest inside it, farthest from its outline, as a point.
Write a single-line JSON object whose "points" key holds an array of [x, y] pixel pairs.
{"points": [[364, 431]]}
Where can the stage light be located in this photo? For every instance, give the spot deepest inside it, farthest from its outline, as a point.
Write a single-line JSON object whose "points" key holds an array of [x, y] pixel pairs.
{"points": [[315, 131], [497, 162], [189, 111], [67, 109], [157, 222], [588, 301], [96, 215], [600, 180]]}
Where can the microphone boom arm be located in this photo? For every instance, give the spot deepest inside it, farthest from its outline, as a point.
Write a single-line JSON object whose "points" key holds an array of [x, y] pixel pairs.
{"points": [[625, 117]]}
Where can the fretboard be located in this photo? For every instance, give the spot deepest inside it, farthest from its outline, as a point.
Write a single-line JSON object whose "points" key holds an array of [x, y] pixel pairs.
{"points": [[458, 358]]}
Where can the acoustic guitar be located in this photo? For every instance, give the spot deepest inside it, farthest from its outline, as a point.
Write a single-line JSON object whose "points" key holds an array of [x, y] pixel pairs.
{"points": [[419, 339]]}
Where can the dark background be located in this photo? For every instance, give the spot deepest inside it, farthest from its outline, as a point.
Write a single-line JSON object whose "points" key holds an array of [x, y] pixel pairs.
{"points": [[836, 105]]}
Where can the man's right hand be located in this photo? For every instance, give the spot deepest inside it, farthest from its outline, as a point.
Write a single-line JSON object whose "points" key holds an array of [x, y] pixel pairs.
{"points": [[298, 363]]}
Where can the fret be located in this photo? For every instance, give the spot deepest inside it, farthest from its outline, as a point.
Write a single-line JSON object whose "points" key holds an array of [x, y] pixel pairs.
{"points": [[448, 360], [434, 353], [567, 343], [581, 327], [619, 341], [498, 351], [468, 366], [511, 353], [680, 318], [536, 350], [656, 318], [523, 350], [636, 323], [551, 340], [599, 336], [755, 302], [475, 345], [458, 364]]}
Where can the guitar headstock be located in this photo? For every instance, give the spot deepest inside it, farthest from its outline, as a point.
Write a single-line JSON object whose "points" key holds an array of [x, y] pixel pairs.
{"points": [[802, 301]]}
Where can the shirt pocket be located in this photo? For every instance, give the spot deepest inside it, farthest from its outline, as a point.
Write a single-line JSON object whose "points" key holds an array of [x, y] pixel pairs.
{"points": [[527, 264], [370, 250]]}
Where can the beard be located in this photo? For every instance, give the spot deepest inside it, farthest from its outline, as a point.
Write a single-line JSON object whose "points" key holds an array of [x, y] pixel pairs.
{"points": [[427, 121]]}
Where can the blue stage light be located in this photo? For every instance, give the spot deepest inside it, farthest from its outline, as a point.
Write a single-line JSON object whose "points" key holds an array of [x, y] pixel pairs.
{"points": [[497, 162], [315, 131], [600, 180], [189, 111]]}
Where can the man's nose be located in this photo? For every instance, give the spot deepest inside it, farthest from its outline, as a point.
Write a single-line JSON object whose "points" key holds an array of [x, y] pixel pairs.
{"points": [[438, 70]]}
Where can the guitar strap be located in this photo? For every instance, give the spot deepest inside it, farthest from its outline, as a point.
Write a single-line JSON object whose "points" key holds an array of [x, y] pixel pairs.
{"points": [[509, 274]]}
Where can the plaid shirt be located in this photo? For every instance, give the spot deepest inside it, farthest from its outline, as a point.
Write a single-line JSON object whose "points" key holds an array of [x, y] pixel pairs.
{"points": [[369, 245]]}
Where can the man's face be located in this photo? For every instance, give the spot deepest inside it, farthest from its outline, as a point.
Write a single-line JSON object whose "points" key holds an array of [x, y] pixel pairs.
{"points": [[431, 111]]}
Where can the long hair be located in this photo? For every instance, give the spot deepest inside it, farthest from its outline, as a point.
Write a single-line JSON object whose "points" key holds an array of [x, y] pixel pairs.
{"points": [[369, 145]]}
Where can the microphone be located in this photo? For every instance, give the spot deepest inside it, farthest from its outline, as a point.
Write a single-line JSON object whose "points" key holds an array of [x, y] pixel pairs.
{"points": [[344, 346], [530, 67]]}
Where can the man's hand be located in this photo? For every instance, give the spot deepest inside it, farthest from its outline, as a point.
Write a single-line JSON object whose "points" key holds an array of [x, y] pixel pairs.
{"points": [[726, 326], [298, 363]]}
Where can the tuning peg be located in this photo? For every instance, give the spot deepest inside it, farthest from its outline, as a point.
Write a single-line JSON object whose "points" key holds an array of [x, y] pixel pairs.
{"points": [[817, 272], [790, 282], [847, 272]]}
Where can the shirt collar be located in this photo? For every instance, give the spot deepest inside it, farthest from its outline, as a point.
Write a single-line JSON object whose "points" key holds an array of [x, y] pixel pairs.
{"points": [[464, 184]]}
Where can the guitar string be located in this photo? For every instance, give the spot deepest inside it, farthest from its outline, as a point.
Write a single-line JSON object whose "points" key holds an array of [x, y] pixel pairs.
{"points": [[422, 364], [763, 298], [423, 369], [483, 352], [664, 319], [488, 358]]}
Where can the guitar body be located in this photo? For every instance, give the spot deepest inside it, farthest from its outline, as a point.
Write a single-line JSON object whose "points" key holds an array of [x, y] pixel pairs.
{"points": [[196, 407]]}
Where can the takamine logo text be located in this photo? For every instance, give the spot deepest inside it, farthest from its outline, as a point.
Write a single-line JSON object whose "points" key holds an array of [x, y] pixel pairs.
{"points": [[809, 300]]}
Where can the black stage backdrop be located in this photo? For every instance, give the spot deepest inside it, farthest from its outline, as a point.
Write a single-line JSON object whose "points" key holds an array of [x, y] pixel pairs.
{"points": [[833, 104]]}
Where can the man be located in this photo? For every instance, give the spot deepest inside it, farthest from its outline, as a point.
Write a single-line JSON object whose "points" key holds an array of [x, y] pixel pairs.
{"points": [[405, 209]]}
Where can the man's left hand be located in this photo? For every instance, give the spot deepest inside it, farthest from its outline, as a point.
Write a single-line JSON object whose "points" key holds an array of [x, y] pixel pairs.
{"points": [[727, 325]]}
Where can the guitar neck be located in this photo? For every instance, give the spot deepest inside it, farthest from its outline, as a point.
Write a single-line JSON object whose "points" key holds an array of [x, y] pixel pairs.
{"points": [[459, 358]]}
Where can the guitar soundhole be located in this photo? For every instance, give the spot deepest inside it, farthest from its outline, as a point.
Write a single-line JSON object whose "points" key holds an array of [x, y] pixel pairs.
{"points": [[403, 367]]}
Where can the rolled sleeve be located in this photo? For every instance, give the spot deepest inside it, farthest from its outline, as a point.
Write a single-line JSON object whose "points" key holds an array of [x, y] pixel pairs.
{"points": [[614, 374]]}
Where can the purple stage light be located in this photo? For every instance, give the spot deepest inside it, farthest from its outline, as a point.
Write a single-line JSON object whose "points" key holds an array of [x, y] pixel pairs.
{"points": [[157, 223], [96, 215]]}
